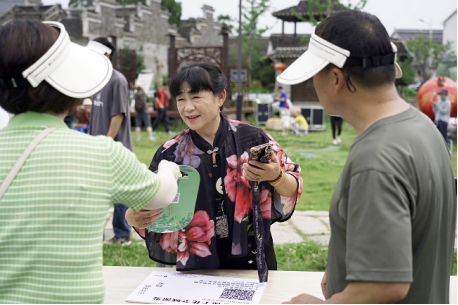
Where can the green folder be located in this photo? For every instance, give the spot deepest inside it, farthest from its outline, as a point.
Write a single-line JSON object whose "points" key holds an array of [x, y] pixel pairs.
{"points": [[179, 214]]}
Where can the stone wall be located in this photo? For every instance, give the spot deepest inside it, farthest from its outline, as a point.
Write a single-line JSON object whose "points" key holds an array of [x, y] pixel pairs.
{"points": [[202, 31], [6, 5], [42, 12], [140, 27]]}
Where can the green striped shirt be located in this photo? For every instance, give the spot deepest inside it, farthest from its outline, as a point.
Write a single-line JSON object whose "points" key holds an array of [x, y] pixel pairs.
{"points": [[52, 216]]}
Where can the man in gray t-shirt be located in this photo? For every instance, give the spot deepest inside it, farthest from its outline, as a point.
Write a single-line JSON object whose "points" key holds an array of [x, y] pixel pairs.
{"points": [[110, 116], [393, 211]]}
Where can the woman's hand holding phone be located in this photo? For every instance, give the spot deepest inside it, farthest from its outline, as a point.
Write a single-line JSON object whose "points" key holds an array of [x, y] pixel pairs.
{"points": [[260, 171]]}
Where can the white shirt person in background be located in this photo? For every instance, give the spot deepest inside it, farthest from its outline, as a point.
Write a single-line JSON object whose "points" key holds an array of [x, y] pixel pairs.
{"points": [[441, 108]]}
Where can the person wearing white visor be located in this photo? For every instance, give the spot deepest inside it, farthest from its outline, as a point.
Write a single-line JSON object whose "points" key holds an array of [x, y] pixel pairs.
{"points": [[393, 211], [57, 184], [110, 116]]}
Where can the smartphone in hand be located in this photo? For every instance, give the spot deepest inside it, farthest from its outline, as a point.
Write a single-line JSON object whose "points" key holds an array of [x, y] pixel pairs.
{"points": [[261, 153]]}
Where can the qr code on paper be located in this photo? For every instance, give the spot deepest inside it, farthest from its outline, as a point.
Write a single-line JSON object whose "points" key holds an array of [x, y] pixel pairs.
{"points": [[237, 294], [177, 198]]}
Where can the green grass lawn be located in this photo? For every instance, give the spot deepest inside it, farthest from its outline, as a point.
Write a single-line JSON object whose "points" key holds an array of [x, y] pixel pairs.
{"points": [[294, 257], [320, 161], [454, 265], [321, 165], [307, 256]]}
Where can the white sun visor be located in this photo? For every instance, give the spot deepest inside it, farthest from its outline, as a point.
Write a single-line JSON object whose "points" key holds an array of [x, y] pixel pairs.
{"points": [[319, 54], [328, 51], [98, 47], [71, 69]]}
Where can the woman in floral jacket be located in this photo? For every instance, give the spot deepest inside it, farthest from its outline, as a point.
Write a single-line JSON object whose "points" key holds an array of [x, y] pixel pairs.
{"points": [[221, 233]]}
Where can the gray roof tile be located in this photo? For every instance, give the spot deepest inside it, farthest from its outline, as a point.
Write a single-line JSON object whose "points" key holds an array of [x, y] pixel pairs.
{"points": [[302, 12]]}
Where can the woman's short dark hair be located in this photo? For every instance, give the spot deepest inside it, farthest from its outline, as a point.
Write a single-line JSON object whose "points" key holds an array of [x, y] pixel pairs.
{"points": [[201, 76], [364, 36], [22, 43]]}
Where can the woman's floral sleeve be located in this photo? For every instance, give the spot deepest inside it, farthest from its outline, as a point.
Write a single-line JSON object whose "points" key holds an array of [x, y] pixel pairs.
{"points": [[284, 206]]}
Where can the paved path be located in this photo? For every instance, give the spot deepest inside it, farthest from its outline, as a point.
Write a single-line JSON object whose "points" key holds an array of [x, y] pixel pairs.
{"points": [[303, 226]]}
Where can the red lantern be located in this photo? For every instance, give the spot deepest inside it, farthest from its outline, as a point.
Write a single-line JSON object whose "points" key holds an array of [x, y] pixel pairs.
{"points": [[280, 67], [428, 91]]}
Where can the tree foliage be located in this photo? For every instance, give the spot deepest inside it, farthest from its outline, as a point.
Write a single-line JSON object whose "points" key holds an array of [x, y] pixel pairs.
{"points": [[251, 30], [174, 8], [408, 73], [226, 22], [427, 54], [139, 64], [253, 55], [250, 18]]}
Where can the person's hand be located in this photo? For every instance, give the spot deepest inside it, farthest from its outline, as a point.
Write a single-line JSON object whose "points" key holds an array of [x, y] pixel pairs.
{"points": [[323, 284], [143, 218], [264, 172], [304, 299], [172, 167]]}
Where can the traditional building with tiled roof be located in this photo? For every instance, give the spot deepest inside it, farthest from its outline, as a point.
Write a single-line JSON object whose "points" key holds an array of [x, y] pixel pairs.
{"points": [[134, 29], [305, 11], [405, 35], [32, 11], [286, 48]]}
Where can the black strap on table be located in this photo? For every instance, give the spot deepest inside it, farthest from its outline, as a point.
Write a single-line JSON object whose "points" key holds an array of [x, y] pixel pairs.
{"points": [[258, 229]]}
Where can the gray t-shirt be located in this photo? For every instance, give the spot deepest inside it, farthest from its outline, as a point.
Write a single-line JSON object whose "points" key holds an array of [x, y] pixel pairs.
{"points": [[112, 100], [393, 212]]}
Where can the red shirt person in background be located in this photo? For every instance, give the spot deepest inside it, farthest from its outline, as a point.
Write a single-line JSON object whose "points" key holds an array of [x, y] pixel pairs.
{"points": [[161, 103]]}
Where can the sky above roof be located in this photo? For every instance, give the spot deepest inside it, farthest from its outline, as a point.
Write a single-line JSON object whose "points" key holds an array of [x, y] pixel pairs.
{"points": [[394, 14]]}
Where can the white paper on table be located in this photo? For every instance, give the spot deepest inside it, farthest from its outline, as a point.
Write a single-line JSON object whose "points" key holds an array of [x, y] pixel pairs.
{"points": [[173, 287]]}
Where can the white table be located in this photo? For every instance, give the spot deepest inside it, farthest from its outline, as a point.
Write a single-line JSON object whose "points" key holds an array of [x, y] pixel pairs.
{"points": [[282, 285]]}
